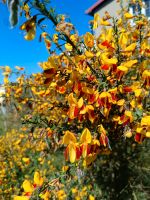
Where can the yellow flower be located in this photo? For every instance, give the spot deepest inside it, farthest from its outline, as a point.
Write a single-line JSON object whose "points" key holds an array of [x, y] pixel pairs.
{"points": [[123, 39], [121, 70], [71, 99], [96, 21], [105, 98], [26, 8], [145, 121], [106, 60], [68, 138], [121, 102], [146, 77], [21, 198], [26, 160], [74, 106], [46, 195], [44, 34], [74, 190], [55, 38], [61, 195], [30, 28], [89, 54], [88, 109], [7, 70], [137, 92], [89, 40], [68, 47], [65, 168], [77, 198], [47, 43], [19, 68], [74, 39], [126, 118], [129, 114], [139, 129], [147, 134], [89, 159], [85, 139], [86, 136], [104, 22], [129, 63], [27, 186], [128, 15], [128, 134], [6, 80], [131, 47], [38, 180], [72, 152], [109, 35], [91, 197], [133, 103], [103, 137], [80, 102]]}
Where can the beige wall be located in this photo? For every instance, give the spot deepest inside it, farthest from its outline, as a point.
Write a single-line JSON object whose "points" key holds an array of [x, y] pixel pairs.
{"points": [[112, 7], [2, 91]]}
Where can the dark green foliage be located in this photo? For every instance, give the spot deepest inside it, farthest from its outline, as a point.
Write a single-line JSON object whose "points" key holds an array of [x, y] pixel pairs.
{"points": [[124, 174], [14, 9]]}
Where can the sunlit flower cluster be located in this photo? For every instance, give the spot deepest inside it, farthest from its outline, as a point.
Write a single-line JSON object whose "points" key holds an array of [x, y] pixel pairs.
{"points": [[93, 91], [100, 90]]}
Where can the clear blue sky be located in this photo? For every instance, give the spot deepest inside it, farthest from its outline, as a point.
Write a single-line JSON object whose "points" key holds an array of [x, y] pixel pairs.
{"points": [[14, 50]]}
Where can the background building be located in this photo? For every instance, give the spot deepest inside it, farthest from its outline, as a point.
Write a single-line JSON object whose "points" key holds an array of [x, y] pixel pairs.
{"points": [[101, 6]]}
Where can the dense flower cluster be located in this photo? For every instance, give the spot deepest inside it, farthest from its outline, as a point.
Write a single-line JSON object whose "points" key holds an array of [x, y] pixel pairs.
{"points": [[16, 159], [97, 86], [94, 93]]}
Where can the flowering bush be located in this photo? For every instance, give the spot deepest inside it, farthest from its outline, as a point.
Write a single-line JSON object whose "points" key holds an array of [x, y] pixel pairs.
{"points": [[22, 157], [93, 93]]}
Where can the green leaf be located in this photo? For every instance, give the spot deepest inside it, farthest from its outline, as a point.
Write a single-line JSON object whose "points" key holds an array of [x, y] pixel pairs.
{"points": [[13, 7], [139, 113]]}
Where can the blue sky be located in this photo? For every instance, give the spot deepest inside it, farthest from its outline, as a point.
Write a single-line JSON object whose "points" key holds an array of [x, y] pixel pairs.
{"points": [[14, 50]]}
